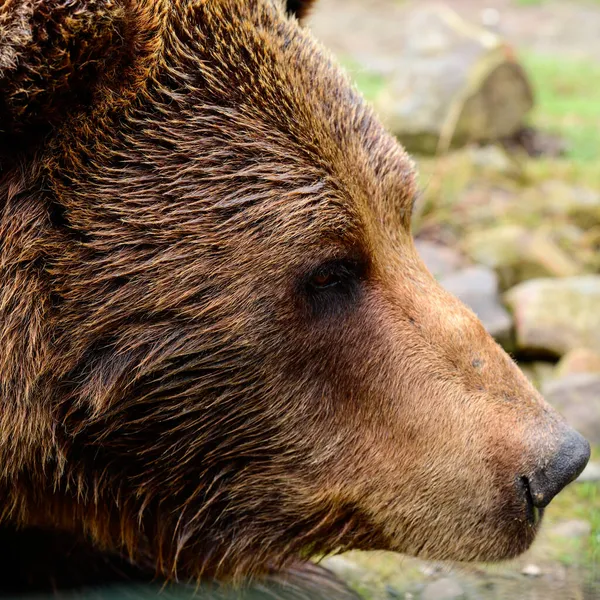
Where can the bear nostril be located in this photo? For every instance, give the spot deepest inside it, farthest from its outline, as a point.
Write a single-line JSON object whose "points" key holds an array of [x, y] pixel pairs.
{"points": [[565, 466]]}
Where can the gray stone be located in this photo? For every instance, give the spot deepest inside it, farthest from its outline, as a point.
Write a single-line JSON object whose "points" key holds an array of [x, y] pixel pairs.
{"points": [[477, 287], [440, 260], [443, 589], [577, 398], [454, 83], [557, 315], [518, 254], [580, 360]]}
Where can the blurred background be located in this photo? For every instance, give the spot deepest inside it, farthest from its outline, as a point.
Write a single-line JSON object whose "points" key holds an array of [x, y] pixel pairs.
{"points": [[499, 102]]}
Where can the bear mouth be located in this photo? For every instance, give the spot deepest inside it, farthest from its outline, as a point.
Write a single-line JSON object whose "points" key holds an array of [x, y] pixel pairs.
{"points": [[533, 514]]}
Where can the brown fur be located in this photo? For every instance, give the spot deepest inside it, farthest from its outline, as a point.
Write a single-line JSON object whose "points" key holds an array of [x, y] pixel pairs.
{"points": [[172, 174]]}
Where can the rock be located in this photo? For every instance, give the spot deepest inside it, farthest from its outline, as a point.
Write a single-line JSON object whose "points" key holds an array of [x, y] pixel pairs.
{"points": [[477, 287], [577, 398], [440, 260], [580, 360], [431, 569], [590, 473], [581, 205], [492, 158], [344, 567], [554, 316], [443, 589], [517, 254], [532, 570], [575, 528], [454, 83]]}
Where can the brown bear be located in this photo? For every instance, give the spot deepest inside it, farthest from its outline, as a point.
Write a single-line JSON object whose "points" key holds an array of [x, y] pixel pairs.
{"points": [[221, 353]]}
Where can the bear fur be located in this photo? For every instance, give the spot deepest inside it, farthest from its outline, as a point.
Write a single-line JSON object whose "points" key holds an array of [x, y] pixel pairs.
{"points": [[221, 353]]}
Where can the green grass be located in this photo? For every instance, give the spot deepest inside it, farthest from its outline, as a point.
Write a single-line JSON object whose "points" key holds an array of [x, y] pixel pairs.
{"points": [[567, 101]]}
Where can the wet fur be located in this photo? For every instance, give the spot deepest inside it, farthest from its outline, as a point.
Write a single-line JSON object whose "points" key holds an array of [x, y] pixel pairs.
{"points": [[170, 394]]}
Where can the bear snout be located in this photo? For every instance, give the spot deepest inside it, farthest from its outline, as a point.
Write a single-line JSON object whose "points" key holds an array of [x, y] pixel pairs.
{"points": [[559, 469]]}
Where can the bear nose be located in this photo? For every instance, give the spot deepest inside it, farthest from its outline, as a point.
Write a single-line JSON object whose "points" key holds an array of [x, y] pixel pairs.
{"points": [[565, 466]]}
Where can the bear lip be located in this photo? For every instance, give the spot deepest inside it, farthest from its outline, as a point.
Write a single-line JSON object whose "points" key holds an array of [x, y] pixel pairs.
{"points": [[533, 513]]}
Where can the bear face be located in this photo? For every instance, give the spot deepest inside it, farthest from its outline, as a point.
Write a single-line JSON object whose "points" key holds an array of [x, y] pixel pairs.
{"points": [[222, 350]]}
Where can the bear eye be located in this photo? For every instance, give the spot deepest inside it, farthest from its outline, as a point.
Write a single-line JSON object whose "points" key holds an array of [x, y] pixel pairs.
{"points": [[334, 285], [326, 279], [333, 274]]}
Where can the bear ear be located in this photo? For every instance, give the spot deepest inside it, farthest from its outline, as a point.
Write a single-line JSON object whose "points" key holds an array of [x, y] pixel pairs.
{"points": [[299, 8], [54, 54]]}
